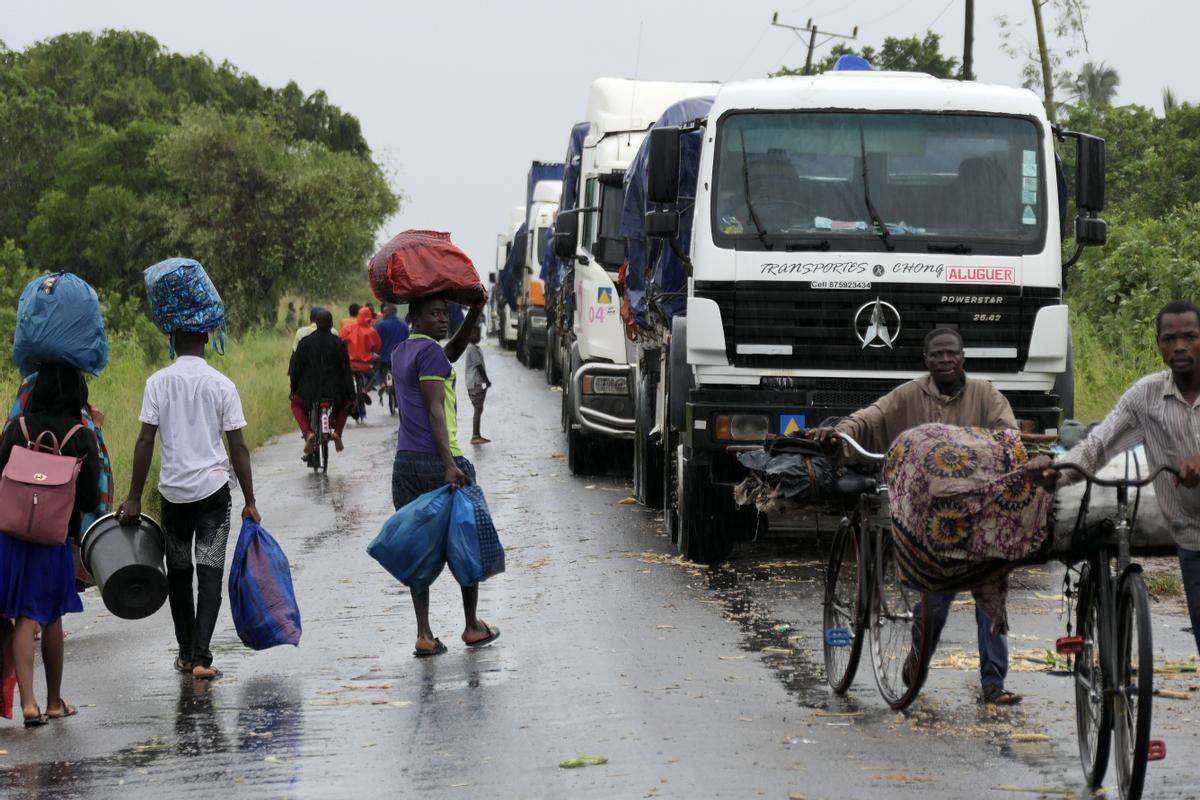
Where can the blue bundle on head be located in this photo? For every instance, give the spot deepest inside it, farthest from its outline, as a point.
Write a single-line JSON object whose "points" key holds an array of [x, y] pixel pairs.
{"points": [[183, 299], [59, 322]]}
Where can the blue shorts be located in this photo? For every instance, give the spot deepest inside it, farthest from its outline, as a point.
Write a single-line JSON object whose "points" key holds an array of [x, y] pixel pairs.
{"points": [[414, 474]]}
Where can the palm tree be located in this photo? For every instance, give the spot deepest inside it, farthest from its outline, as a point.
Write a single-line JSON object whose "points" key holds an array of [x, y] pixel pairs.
{"points": [[1170, 102], [1096, 85]]}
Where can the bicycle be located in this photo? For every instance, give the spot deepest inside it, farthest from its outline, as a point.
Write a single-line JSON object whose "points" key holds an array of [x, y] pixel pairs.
{"points": [[864, 597], [320, 416], [362, 398], [1113, 650], [387, 387]]}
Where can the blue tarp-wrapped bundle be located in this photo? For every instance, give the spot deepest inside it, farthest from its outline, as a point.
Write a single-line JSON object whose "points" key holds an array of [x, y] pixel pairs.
{"points": [[655, 271], [540, 171], [59, 321], [558, 272]]}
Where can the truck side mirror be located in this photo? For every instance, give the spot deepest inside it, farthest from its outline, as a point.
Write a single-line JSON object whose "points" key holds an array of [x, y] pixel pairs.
{"points": [[661, 224], [566, 235], [662, 168], [1089, 173]]}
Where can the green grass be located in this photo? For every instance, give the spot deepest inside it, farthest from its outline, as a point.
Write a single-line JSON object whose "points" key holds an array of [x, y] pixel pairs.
{"points": [[1103, 371], [255, 362], [1163, 585]]}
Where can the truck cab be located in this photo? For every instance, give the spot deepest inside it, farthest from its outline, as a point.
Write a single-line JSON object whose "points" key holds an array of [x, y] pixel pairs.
{"points": [[506, 326], [597, 397], [531, 302], [834, 221]]}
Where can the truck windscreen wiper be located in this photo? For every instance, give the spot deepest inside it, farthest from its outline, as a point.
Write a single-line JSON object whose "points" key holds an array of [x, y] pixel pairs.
{"points": [[884, 233], [795, 245], [953, 248], [762, 233]]}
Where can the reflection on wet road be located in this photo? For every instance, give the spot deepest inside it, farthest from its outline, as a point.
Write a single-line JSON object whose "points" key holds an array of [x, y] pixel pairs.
{"points": [[691, 682]]}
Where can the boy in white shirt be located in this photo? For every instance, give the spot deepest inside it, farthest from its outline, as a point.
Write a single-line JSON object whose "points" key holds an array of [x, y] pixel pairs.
{"points": [[192, 404]]}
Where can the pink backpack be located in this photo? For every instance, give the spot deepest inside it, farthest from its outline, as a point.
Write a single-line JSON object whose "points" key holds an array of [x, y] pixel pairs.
{"points": [[37, 489]]}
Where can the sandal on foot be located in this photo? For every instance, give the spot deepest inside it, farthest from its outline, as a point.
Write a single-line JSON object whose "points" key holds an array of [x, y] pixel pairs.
{"points": [[214, 673], [38, 721], [183, 666], [493, 635], [68, 710], [437, 649], [999, 696]]}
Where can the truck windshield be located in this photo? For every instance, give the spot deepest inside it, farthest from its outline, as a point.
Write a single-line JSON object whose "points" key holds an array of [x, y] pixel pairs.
{"points": [[966, 181]]}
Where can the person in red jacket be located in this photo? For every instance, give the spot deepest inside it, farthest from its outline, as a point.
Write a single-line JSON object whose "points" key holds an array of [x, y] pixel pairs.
{"points": [[363, 344]]}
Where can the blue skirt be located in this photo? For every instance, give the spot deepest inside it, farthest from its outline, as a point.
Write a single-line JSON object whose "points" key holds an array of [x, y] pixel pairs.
{"points": [[37, 581]]}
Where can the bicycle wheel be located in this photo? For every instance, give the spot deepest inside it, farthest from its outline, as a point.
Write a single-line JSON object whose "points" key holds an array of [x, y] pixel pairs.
{"points": [[1135, 685], [1093, 713], [890, 620], [391, 398], [324, 453], [843, 638]]}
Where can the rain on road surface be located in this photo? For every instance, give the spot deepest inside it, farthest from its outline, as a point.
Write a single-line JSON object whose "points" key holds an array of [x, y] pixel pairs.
{"points": [[691, 682]]}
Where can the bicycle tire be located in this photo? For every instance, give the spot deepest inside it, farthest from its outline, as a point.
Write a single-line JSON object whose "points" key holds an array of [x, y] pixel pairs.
{"points": [[324, 455], [890, 623], [1093, 711], [391, 397], [1134, 698], [841, 608]]}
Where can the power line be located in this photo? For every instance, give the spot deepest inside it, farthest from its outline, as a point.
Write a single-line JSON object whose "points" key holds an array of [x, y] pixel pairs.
{"points": [[811, 30], [939, 16], [753, 50]]}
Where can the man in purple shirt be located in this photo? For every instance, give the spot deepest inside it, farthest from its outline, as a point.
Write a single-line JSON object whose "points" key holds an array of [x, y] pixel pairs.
{"points": [[427, 451]]}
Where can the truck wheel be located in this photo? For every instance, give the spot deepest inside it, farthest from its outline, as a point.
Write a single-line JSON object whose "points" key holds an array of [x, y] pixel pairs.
{"points": [[708, 520], [535, 359], [585, 455], [522, 353], [647, 458], [551, 357]]}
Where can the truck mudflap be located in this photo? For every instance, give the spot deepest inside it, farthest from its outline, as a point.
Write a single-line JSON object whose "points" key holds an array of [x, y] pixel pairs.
{"points": [[593, 420]]}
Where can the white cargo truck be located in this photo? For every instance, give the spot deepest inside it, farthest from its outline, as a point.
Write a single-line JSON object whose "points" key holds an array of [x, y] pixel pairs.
{"points": [[506, 328], [531, 302], [817, 228], [597, 402]]}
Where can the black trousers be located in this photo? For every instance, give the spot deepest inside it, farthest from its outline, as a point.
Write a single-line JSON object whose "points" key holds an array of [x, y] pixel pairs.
{"points": [[204, 526]]}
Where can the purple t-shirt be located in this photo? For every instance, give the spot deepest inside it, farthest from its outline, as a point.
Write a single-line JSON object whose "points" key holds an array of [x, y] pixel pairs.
{"points": [[415, 360]]}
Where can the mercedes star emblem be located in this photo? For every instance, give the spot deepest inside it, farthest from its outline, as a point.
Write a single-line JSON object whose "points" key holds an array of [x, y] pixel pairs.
{"points": [[879, 328]]}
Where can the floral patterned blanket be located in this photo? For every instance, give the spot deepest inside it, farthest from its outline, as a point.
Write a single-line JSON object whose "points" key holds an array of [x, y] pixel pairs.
{"points": [[963, 513]]}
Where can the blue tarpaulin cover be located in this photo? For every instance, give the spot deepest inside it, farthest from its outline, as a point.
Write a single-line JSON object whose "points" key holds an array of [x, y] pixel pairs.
{"points": [[558, 272], [59, 321], [510, 275], [540, 171], [654, 268]]}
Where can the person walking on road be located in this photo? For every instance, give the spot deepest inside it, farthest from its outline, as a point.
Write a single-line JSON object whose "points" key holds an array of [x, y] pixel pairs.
{"points": [[478, 384], [289, 321], [37, 581], [392, 331], [349, 321], [948, 396], [192, 404], [363, 343], [1162, 412], [321, 371], [427, 451]]}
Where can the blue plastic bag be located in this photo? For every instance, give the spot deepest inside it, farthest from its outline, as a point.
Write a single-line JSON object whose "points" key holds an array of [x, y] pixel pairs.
{"points": [[261, 598], [183, 298], [412, 544], [473, 548], [59, 321]]}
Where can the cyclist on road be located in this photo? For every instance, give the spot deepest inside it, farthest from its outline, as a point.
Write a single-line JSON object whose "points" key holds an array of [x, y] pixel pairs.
{"points": [[363, 343], [321, 371], [1162, 412], [948, 396]]}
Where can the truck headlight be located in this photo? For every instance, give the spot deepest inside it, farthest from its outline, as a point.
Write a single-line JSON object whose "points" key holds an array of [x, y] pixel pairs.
{"points": [[740, 428], [605, 384], [537, 322]]}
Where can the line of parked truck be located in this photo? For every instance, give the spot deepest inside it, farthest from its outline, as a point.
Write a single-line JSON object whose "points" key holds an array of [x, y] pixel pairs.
{"points": [[711, 265]]}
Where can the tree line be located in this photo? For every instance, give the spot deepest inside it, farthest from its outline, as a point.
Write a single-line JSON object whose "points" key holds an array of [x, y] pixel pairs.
{"points": [[120, 153]]}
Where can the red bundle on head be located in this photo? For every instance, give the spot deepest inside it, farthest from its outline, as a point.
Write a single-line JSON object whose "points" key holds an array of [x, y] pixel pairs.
{"points": [[422, 263]]}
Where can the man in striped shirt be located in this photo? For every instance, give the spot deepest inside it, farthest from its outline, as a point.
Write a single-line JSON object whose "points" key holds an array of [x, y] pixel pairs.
{"points": [[1161, 412]]}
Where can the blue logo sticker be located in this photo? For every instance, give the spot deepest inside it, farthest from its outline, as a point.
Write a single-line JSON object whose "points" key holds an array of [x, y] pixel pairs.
{"points": [[790, 424], [604, 295]]}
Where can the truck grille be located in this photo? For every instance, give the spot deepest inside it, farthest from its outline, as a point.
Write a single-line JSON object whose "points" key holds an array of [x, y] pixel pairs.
{"points": [[772, 325]]}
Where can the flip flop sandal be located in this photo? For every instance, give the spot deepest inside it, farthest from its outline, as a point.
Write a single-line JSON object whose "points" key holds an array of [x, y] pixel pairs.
{"points": [[437, 650], [996, 696], [38, 721], [216, 673], [68, 711], [183, 666], [493, 635]]}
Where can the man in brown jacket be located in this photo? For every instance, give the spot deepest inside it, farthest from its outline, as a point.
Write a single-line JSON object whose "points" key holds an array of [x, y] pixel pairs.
{"points": [[948, 396]]}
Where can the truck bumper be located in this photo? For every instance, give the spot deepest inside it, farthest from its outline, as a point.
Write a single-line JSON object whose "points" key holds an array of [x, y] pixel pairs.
{"points": [[789, 410], [603, 414], [536, 337]]}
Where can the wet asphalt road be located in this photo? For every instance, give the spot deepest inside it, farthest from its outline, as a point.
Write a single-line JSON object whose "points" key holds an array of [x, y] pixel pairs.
{"points": [[693, 683]]}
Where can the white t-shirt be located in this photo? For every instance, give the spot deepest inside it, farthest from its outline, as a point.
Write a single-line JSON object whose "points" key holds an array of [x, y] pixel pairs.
{"points": [[192, 404]]}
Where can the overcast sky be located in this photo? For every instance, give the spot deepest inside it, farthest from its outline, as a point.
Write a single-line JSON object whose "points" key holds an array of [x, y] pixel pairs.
{"points": [[456, 98]]}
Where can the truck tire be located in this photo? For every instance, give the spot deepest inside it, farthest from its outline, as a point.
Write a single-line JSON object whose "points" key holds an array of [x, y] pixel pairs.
{"points": [[552, 365], [536, 359], [647, 457], [709, 521], [522, 353], [1064, 385], [585, 455]]}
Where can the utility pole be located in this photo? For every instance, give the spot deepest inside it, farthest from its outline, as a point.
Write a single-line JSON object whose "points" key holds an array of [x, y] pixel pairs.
{"points": [[1044, 54], [811, 30], [969, 43]]}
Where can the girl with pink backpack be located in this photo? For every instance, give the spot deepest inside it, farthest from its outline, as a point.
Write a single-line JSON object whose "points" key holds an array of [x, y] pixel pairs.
{"points": [[37, 567]]}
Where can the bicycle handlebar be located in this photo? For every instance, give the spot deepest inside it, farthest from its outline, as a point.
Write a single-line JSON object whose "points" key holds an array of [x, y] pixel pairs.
{"points": [[858, 448], [1135, 483]]}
